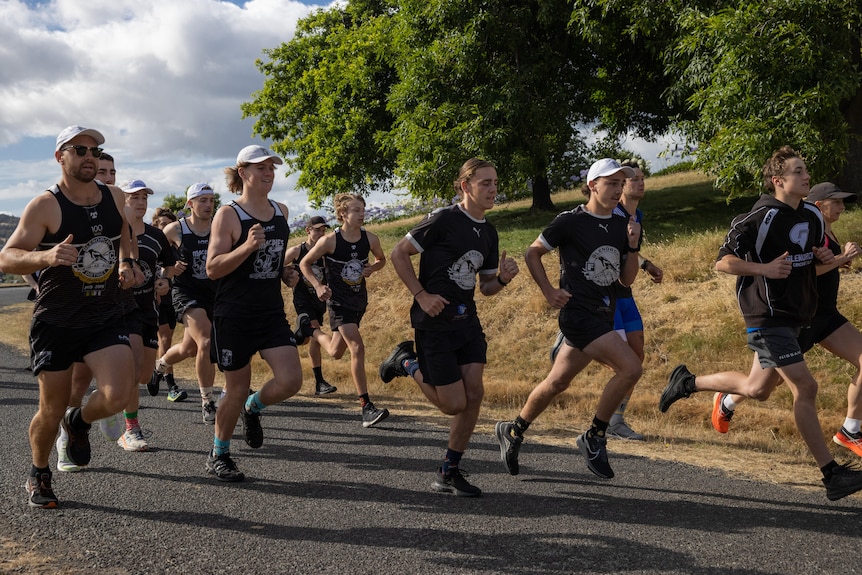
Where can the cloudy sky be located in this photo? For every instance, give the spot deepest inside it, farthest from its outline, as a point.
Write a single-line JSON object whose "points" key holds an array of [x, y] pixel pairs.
{"points": [[163, 80]]}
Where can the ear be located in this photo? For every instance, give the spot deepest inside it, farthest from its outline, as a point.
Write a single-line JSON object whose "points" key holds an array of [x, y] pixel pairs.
{"points": [[58, 155]]}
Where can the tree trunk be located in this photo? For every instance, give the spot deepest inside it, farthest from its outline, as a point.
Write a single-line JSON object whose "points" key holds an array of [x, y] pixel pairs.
{"points": [[542, 194], [851, 177]]}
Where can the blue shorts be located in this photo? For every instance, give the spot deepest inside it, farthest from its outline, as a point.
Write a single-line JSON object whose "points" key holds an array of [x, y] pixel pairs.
{"points": [[627, 317]]}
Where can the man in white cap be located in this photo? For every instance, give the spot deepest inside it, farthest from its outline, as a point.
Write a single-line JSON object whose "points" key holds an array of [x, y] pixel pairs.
{"points": [[77, 234], [193, 293], [246, 256], [154, 252], [597, 249]]}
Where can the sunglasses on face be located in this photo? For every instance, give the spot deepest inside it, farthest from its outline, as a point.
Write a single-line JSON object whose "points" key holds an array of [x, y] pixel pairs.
{"points": [[82, 150]]}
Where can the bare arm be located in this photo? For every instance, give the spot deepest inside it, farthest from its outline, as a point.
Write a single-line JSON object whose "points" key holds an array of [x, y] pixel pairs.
{"points": [[490, 284], [379, 256], [556, 297], [779, 268], [40, 217], [226, 230], [325, 245]]}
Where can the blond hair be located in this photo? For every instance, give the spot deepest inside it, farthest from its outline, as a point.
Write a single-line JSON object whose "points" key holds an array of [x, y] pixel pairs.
{"points": [[340, 203]]}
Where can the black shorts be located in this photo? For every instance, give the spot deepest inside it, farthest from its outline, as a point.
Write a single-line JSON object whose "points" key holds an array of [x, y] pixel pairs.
{"points": [[442, 353], [55, 348], [150, 336], [235, 340], [314, 312], [822, 326], [776, 346], [135, 322], [581, 329], [167, 314], [184, 301], [339, 316]]}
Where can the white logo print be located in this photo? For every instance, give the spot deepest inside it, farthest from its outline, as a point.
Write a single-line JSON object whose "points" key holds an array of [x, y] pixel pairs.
{"points": [[351, 273], [799, 235], [603, 266], [463, 271], [604, 227], [96, 260], [478, 232], [268, 259]]}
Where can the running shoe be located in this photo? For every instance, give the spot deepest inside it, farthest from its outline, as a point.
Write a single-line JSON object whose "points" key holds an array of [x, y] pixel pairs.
{"points": [[721, 416], [393, 366], [112, 427], [63, 461], [153, 384], [680, 384], [177, 394], [40, 492], [304, 328], [621, 430], [454, 483], [78, 446], [510, 444], [595, 452], [208, 412], [558, 344], [223, 468], [133, 440], [324, 388], [844, 481], [252, 432], [372, 416], [852, 441]]}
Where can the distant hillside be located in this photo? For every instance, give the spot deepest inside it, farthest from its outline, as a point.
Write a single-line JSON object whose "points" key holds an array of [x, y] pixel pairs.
{"points": [[7, 225]]}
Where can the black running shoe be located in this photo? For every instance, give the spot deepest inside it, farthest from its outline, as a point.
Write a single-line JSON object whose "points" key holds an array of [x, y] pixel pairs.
{"points": [[510, 444], [224, 468], [844, 481], [305, 328], [393, 366], [454, 483], [40, 492], [595, 451], [372, 416], [153, 384], [252, 432], [323, 388], [680, 384], [78, 448]]}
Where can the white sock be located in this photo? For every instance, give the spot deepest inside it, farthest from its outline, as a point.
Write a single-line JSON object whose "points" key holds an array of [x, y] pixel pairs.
{"points": [[851, 425], [728, 402]]}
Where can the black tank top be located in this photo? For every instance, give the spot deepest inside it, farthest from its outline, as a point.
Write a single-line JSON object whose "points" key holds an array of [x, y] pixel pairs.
{"points": [[88, 292], [304, 291], [344, 272], [254, 287], [193, 251]]}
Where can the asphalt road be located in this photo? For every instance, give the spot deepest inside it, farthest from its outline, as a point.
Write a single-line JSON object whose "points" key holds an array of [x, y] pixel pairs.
{"points": [[324, 495]]}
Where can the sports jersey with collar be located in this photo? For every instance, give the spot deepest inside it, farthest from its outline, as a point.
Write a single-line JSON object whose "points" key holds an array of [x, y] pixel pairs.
{"points": [[153, 250], [454, 248], [762, 235], [592, 252]]}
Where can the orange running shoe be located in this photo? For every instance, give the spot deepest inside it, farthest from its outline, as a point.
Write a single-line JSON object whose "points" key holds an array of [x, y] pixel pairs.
{"points": [[852, 441], [720, 415]]}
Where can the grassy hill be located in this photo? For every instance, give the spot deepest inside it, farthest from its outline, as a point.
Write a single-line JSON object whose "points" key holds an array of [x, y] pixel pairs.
{"points": [[691, 317]]}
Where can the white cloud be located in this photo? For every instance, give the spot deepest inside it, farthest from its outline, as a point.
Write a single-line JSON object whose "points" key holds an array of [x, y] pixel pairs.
{"points": [[163, 80]]}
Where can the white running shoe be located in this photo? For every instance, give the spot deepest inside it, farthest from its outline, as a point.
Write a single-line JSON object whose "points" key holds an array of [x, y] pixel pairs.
{"points": [[113, 426], [133, 440], [63, 461]]}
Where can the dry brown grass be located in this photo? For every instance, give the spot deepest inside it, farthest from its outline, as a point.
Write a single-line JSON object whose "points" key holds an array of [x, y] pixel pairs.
{"points": [[692, 318]]}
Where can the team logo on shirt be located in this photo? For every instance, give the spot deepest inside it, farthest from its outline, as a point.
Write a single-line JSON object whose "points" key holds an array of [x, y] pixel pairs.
{"points": [[799, 235], [463, 272], [199, 264], [96, 260], [603, 266], [267, 260], [351, 272], [147, 271]]}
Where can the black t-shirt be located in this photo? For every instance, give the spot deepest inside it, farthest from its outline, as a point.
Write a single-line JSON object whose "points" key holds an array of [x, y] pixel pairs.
{"points": [[592, 252], [454, 248], [154, 250]]}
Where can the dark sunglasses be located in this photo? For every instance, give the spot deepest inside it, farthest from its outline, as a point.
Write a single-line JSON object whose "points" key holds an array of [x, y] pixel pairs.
{"points": [[82, 150]]}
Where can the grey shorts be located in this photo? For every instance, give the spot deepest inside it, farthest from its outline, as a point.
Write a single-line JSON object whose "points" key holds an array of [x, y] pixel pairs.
{"points": [[776, 346]]}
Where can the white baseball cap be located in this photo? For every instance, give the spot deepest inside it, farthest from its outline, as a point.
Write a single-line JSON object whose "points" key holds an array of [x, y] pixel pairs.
{"points": [[72, 131], [132, 186], [254, 154], [607, 167], [198, 189]]}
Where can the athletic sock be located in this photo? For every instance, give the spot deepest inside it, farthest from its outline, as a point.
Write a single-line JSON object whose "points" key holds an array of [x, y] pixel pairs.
{"points": [[169, 379], [521, 425], [728, 402], [851, 425], [621, 409], [131, 419], [451, 461], [599, 427], [318, 374], [411, 366], [37, 471], [206, 394], [253, 404], [220, 447], [363, 399]]}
